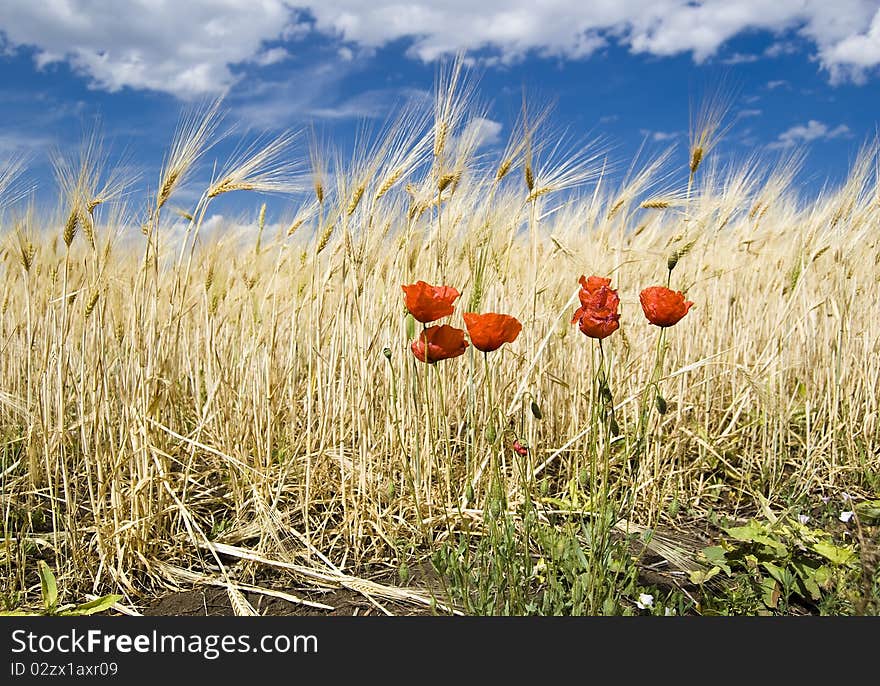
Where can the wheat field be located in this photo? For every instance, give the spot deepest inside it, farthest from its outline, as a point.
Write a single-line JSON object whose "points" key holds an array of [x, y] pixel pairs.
{"points": [[182, 403]]}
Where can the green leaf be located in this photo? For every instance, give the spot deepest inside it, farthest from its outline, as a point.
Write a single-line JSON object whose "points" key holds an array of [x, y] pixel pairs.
{"points": [[18, 613], [617, 566], [836, 554], [755, 532], [868, 511], [804, 570], [699, 576], [716, 555], [97, 605], [776, 572], [48, 587], [770, 592], [822, 576], [812, 588]]}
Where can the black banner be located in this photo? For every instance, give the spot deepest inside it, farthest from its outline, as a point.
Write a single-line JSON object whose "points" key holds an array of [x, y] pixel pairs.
{"points": [[120, 649]]}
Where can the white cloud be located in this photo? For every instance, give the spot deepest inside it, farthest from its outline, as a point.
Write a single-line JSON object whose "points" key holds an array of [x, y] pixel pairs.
{"points": [[855, 53], [482, 131], [739, 58], [314, 92], [188, 48], [811, 131], [781, 48], [842, 33], [659, 136], [271, 56], [184, 48], [781, 83]]}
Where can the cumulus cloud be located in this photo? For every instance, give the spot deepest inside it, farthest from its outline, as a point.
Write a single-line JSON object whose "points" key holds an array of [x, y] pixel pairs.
{"points": [[271, 56], [184, 48], [851, 56], [483, 131], [811, 131], [190, 48]]}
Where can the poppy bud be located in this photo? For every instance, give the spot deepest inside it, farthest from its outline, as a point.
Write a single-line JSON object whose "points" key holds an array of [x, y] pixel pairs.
{"points": [[490, 432], [615, 429], [495, 507], [536, 411], [661, 404], [439, 560], [387, 353]]}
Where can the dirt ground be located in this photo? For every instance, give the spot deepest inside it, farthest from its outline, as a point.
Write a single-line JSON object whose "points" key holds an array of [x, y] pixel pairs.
{"points": [[212, 601]]}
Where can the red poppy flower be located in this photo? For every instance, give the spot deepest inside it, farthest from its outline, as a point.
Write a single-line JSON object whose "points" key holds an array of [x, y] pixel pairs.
{"points": [[490, 331], [429, 303], [662, 306], [519, 448], [597, 316], [443, 343]]}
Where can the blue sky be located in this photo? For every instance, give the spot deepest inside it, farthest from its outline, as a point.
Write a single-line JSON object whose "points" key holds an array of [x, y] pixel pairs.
{"points": [[802, 74]]}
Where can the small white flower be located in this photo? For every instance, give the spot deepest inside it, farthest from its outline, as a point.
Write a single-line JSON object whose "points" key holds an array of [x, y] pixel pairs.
{"points": [[846, 497], [645, 601], [668, 612], [846, 516], [803, 519], [825, 499]]}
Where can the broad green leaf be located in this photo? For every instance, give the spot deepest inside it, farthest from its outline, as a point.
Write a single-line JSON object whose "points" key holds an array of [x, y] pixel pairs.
{"points": [[823, 578], [715, 555], [616, 565], [836, 554], [48, 587], [803, 569], [868, 511], [811, 587], [96, 605], [777, 572], [770, 592], [755, 532], [700, 577], [747, 533]]}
